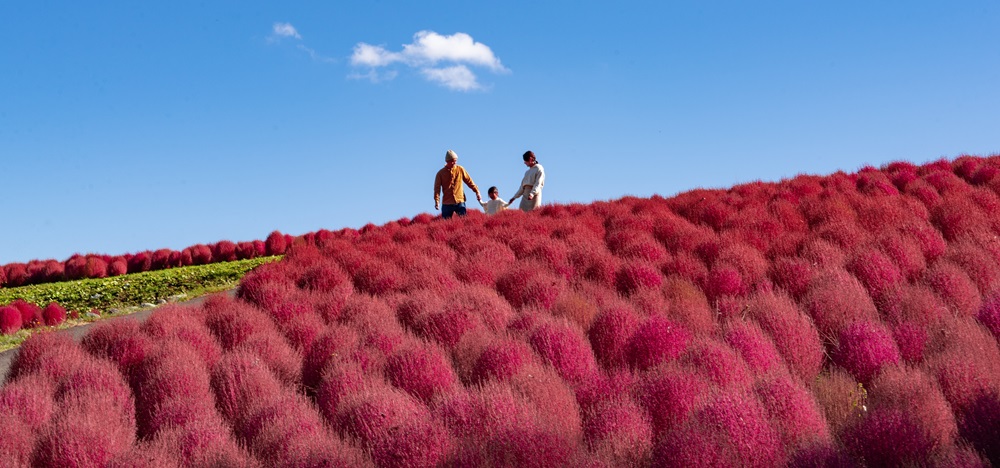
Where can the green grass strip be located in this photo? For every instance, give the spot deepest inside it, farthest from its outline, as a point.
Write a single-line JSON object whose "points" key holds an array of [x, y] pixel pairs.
{"points": [[128, 293]]}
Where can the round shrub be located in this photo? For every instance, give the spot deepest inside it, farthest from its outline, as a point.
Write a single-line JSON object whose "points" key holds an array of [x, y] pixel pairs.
{"points": [[224, 251], [632, 277], [28, 400], [275, 244], [915, 392], [609, 336], [670, 394], [876, 271], [10, 320], [31, 314], [54, 355], [979, 423], [864, 348], [955, 287], [793, 333], [912, 340], [501, 359], [565, 347], [837, 299], [422, 370], [619, 432], [529, 284], [53, 314], [793, 412], [655, 341], [754, 346], [888, 437], [732, 430], [717, 362], [119, 341]]}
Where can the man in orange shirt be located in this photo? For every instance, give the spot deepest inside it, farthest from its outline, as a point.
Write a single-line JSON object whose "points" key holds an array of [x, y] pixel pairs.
{"points": [[449, 180]]}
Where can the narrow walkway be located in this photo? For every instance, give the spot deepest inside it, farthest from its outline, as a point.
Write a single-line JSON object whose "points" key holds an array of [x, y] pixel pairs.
{"points": [[78, 332]]}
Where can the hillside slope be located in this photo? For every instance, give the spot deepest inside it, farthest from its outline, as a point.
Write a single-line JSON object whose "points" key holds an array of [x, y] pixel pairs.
{"points": [[850, 319]]}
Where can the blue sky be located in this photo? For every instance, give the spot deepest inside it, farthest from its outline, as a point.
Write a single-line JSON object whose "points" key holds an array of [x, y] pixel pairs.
{"points": [[127, 126]]}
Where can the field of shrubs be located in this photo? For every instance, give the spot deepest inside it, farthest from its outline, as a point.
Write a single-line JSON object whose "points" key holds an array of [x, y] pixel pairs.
{"points": [[841, 320]]}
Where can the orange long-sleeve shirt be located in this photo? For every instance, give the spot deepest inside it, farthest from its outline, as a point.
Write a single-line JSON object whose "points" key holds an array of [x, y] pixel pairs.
{"points": [[450, 181]]}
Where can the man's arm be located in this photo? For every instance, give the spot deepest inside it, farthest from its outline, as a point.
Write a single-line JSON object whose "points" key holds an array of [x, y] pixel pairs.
{"points": [[437, 190], [472, 185]]}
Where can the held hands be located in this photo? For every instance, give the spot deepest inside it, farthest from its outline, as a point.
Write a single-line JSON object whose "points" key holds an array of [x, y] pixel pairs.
{"points": [[436, 207], [530, 197]]}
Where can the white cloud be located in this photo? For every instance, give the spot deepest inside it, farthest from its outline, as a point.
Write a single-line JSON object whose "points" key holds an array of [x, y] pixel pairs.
{"points": [[458, 77], [280, 30], [372, 56], [439, 58]]}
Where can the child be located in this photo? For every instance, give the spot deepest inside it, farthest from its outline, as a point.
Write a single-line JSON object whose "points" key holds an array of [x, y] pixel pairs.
{"points": [[496, 204]]}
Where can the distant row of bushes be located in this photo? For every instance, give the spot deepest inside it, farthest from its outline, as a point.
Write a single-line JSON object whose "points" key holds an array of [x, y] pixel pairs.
{"points": [[102, 266]]}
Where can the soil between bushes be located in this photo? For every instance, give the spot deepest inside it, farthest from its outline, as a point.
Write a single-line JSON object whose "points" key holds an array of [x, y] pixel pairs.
{"points": [[78, 332]]}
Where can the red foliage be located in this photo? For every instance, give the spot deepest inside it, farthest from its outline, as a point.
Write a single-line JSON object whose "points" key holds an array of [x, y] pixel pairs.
{"points": [[10, 320], [865, 348], [794, 412], [793, 274], [501, 359], [912, 340], [564, 347], [54, 355], [119, 341], [609, 336], [718, 363], [632, 277], [837, 299], [530, 284], [29, 400], [732, 430], [181, 323], [793, 333], [224, 251], [889, 437], [877, 272], [275, 244], [31, 314], [916, 393], [422, 370], [394, 428], [619, 432], [954, 286], [754, 346], [655, 341], [53, 314], [98, 434], [979, 423], [336, 341]]}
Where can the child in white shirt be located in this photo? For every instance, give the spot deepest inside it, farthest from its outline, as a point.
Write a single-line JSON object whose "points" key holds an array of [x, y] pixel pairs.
{"points": [[495, 204]]}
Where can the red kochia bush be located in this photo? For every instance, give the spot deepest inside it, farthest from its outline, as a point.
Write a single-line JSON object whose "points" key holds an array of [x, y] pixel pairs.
{"points": [[565, 347], [224, 251], [732, 430], [837, 299], [54, 355], [876, 271], [275, 244], [53, 314], [394, 428], [955, 287], [655, 341], [888, 437], [609, 335], [119, 341], [31, 314], [530, 284], [793, 333], [29, 400], [635, 276], [793, 411], [620, 432], [754, 346], [10, 320], [85, 432], [864, 348], [501, 359], [422, 370]]}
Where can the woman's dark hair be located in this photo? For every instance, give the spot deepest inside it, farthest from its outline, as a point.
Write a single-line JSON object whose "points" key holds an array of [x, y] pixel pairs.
{"points": [[528, 155], [491, 190]]}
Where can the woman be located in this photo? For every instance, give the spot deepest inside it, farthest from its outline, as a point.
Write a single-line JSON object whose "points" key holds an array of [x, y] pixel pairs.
{"points": [[531, 184]]}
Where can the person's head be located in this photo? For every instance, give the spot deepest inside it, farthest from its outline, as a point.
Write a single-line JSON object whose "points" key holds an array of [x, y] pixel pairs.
{"points": [[529, 158], [450, 158], [493, 193]]}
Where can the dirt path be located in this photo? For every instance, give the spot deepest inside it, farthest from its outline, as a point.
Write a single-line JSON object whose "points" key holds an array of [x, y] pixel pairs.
{"points": [[7, 357]]}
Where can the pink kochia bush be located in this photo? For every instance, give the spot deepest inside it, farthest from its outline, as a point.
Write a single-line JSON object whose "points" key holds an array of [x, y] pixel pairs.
{"points": [[842, 320]]}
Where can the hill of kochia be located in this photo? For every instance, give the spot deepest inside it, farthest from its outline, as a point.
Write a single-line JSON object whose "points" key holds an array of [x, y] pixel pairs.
{"points": [[849, 319]]}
